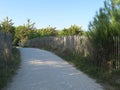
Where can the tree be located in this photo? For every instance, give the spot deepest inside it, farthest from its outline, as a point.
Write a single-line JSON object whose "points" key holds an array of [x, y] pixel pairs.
{"points": [[20, 35], [24, 32], [105, 25], [75, 30], [49, 31], [72, 30], [7, 26], [115, 16]]}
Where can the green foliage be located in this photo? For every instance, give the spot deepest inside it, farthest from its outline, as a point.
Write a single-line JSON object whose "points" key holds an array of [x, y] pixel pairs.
{"points": [[25, 32], [20, 34], [49, 31], [7, 26], [34, 34], [73, 30], [105, 25], [82, 63]]}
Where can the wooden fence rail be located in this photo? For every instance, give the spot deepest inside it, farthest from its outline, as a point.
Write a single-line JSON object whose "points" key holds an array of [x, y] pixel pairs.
{"points": [[72, 43], [5, 46], [81, 45], [116, 53]]}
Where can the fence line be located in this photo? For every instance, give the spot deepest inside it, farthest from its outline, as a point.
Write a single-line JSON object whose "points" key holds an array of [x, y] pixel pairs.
{"points": [[116, 52], [5, 46], [81, 45], [72, 43]]}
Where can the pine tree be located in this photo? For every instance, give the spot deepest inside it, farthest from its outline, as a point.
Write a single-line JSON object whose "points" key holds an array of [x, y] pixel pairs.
{"points": [[7, 26], [105, 25]]}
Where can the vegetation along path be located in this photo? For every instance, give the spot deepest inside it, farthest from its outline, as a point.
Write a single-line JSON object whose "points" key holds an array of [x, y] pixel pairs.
{"points": [[42, 70]]}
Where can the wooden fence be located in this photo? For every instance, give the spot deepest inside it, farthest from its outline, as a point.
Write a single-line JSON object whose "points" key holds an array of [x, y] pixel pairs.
{"points": [[81, 45], [5, 46], [72, 43], [116, 53]]}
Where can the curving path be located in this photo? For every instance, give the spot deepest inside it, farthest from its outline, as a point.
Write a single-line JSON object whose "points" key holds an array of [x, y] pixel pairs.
{"points": [[42, 70]]}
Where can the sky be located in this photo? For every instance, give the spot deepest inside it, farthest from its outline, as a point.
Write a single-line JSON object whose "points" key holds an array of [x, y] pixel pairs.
{"points": [[56, 13]]}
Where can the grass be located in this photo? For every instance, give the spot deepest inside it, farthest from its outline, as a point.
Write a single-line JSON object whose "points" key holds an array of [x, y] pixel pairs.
{"points": [[107, 80], [8, 70]]}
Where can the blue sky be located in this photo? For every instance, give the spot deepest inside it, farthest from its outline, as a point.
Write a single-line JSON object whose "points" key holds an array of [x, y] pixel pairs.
{"points": [[56, 13]]}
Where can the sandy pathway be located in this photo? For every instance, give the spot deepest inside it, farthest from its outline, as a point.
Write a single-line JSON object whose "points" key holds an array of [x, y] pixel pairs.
{"points": [[42, 70]]}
